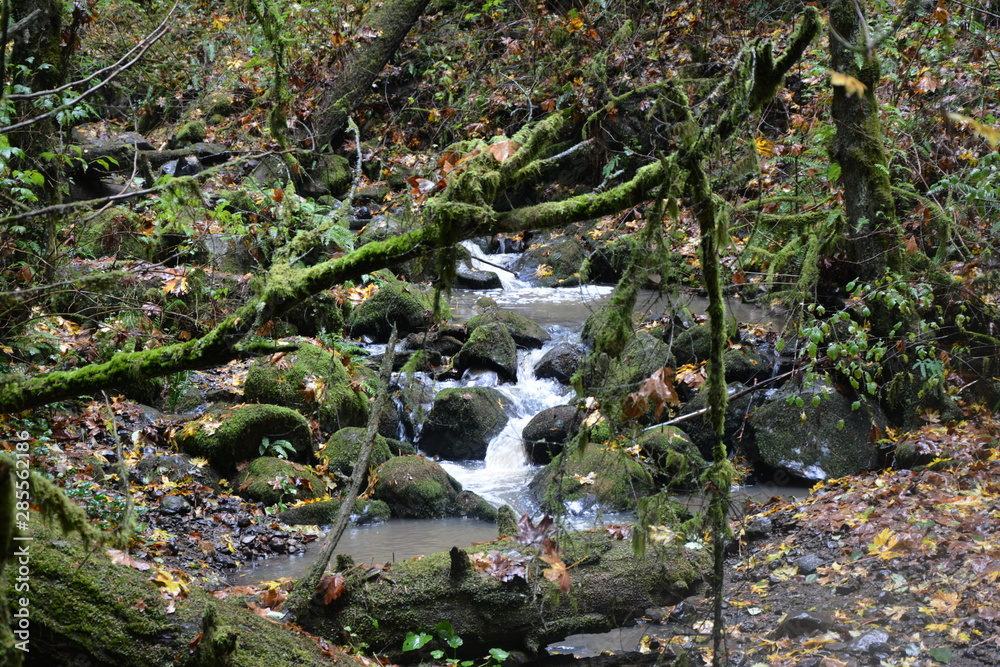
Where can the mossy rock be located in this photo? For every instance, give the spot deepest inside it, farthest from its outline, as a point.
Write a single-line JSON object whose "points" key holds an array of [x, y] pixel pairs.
{"points": [[737, 412], [823, 438], [601, 475], [643, 355], [86, 610], [335, 173], [554, 262], [341, 451], [674, 459], [325, 512], [192, 132], [489, 347], [745, 364], [272, 480], [392, 304], [320, 314], [462, 422], [232, 435], [526, 333], [560, 363], [284, 382], [418, 488], [692, 345], [908, 398], [610, 586]]}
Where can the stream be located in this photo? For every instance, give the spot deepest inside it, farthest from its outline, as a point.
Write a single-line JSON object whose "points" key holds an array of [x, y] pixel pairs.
{"points": [[503, 477]]}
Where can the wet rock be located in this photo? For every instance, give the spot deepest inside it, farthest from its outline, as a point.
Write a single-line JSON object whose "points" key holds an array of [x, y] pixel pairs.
{"points": [[560, 362], [287, 379], [341, 451], [394, 303], [417, 488], [525, 332], [823, 438], [443, 341], [554, 262], [802, 623], [548, 431], [174, 505], [759, 528], [809, 563], [873, 642], [272, 480], [462, 422], [469, 278], [597, 475], [491, 347], [735, 430]]}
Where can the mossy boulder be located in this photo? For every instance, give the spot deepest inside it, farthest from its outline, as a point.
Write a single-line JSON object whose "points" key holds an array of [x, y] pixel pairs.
{"points": [[819, 439], [734, 432], [272, 480], [235, 434], [192, 132], [526, 333], [601, 474], [394, 303], [692, 345], [418, 488], [321, 313], [548, 432], [341, 451], [325, 512], [291, 379], [907, 398], [554, 262], [609, 587], [86, 610], [462, 422], [675, 461], [643, 355], [745, 364], [335, 173], [489, 347]]}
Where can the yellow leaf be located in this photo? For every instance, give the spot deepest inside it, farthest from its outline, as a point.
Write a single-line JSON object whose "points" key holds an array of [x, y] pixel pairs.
{"points": [[987, 132], [176, 285], [543, 271], [765, 148], [850, 85]]}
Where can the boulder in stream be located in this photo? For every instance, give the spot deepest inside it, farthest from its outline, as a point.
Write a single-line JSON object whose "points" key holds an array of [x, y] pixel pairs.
{"points": [[342, 449], [823, 437], [394, 303], [546, 434], [553, 262], [462, 422], [526, 333], [490, 347], [417, 488], [607, 587], [601, 474], [560, 362]]}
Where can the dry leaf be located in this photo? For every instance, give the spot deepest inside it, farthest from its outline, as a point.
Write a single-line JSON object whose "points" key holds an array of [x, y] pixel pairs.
{"points": [[502, 150], [850, 85]]}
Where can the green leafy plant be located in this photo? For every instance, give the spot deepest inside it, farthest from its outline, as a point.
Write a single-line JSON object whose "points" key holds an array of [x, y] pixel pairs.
{"points": [[279, 448], [444, 634]]}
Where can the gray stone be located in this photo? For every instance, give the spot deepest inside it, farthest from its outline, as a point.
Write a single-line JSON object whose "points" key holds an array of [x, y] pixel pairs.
{"points": [[809, 563], [174, 505]]}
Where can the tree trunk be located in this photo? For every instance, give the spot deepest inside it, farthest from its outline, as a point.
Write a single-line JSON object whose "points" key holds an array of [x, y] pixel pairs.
{"points": [[872, 231], [381, 32]]}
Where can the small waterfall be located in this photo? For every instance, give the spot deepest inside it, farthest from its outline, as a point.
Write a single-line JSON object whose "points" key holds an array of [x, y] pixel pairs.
{"points": [[504, 476], [483, 262]]}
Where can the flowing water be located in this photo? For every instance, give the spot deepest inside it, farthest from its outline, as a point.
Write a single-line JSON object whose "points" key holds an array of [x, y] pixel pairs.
{"points": [[503, 477]]}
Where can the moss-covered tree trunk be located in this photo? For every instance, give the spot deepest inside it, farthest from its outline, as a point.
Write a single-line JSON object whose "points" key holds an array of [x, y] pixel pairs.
{"points": [[381, 32], [872, 231]]}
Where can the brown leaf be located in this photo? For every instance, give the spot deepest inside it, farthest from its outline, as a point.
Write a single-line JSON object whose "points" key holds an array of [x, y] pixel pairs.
{"points": [[332, 587], [502, 150], [911, 246], [556, 571]]}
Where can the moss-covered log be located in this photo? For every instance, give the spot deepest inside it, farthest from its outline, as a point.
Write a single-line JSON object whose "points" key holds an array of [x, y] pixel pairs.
{"points": [[609, 587], [84, 609]]}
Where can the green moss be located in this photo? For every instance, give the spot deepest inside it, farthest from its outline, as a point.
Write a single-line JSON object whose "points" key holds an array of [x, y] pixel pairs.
{"points": [[233, 435], [271, 480], [675, 460], [599, 473], [341, 451], [285, 381], [416, 488], [525, 332], [86, 609], [462, 422], [191, 132], [490, 346], [392, 304]]}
